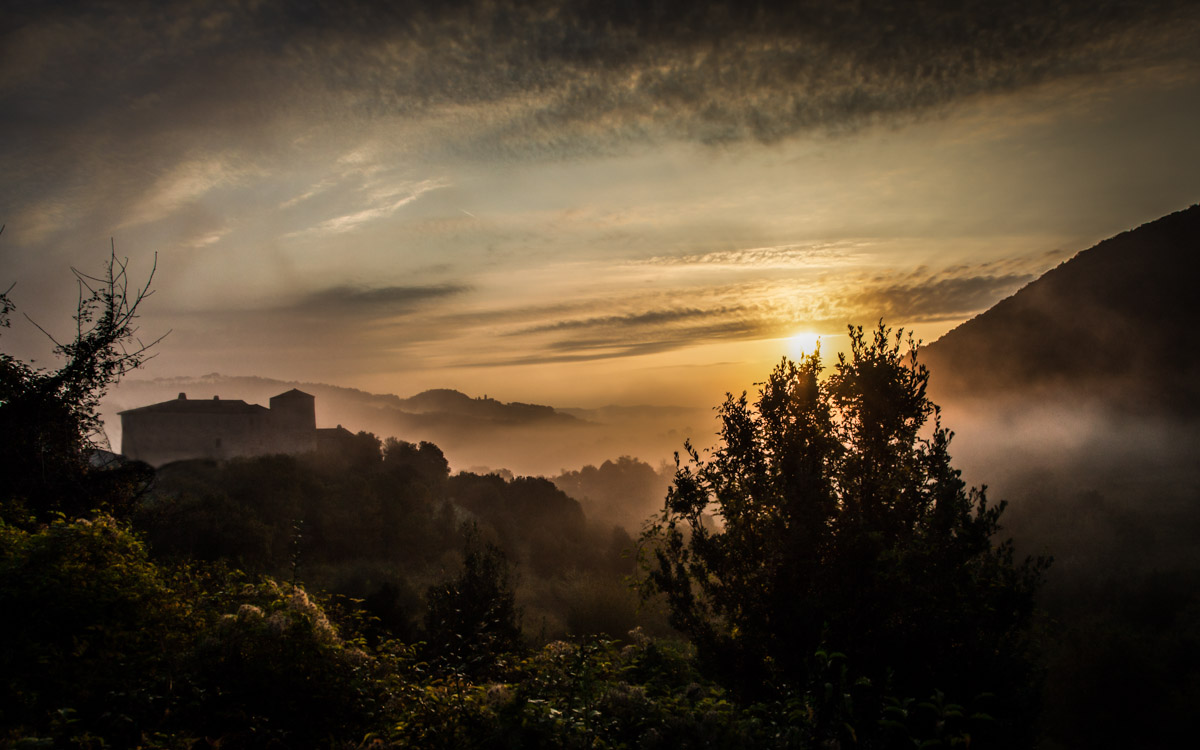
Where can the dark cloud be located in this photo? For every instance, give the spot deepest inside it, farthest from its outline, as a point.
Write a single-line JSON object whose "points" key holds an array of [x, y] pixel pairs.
{"points": [[135, 96], [632, 320], [920, 298], [571, 75], [359, 328], [661, 340], [388, 300]]}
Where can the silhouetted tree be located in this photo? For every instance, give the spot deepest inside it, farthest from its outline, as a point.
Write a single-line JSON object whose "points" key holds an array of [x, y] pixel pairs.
{"points": [[360, 452], [423, 464], [839, 522], [49, 426]]}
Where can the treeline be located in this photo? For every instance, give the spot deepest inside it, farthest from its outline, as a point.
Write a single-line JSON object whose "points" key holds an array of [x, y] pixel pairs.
{"points": [[381, 521], [830, 581]]}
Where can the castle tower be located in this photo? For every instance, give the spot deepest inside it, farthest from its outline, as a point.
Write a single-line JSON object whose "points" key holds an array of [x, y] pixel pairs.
{"points": [[295, 410], [293, 422]]}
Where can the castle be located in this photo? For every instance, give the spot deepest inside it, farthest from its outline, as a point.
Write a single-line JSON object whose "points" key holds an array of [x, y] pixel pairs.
{"points": [[216, 429]]}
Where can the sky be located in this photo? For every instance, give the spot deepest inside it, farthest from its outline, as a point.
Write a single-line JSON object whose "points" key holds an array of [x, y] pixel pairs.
{"points": [[573, 203]]}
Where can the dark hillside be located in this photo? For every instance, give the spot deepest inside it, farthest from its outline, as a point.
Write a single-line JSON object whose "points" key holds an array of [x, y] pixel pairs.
{"points": [[1116, 324], [1078, 400]]}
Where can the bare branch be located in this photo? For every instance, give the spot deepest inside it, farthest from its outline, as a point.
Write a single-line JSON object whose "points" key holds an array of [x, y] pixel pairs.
{"points": [[43, 330]]}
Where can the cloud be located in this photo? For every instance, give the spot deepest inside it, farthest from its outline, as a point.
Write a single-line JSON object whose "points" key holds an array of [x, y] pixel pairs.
{"points": [[569, 77], [382, 203], [584, 349], [808, 256], [253, 123], [115, 115], [929, 298], [341, 301], [185, 183], [635, 320], [647, 324], [337, 328], [629, 325]]}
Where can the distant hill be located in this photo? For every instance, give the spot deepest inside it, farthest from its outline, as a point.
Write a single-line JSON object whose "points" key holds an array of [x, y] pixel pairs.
{"points": [[442, 404], [474, 432], [446, 402], [1116, 324]]}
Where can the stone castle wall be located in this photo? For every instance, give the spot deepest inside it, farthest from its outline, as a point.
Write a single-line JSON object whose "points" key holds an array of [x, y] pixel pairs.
{"points": [[189, 429]]}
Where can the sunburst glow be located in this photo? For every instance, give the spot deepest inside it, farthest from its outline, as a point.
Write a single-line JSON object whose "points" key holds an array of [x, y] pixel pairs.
{"points": [[801, 344]]}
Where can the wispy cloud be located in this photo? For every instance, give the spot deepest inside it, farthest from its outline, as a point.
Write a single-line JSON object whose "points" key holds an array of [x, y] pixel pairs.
{"points": [[585, 349], [183, 184], [630, 325], [381, 203], [803, 256]]}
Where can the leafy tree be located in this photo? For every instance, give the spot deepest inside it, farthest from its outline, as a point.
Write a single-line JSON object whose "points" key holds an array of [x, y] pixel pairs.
{"points": [[423, 464], [359, 452], [473, 620], [830, 516], [278, 672], [49, 428], [103, 647]]}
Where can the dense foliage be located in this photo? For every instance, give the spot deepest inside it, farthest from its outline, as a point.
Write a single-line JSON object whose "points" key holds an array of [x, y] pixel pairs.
{"points": [[385, 523]]}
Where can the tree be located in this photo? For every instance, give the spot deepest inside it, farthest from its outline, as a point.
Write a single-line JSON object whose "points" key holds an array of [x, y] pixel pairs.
{"points": [[423, 465], [830, 518], [473, 620], [49, 426]]}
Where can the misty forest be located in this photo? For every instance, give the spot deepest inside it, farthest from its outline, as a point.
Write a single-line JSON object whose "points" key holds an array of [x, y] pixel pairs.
{"points": [[821, 577]]}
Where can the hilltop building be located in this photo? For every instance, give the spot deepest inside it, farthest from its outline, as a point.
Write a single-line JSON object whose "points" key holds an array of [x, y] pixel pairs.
{"points": [[216, 429]]}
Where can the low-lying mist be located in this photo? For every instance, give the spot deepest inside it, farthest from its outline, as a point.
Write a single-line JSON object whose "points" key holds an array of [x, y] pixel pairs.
{"points": [[1083, 483], [1115, 498]]}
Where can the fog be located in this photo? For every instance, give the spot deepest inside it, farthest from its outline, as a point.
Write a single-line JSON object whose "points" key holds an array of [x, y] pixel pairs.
{"points": [[1114, 497], [1083, 483], [477, 433]]}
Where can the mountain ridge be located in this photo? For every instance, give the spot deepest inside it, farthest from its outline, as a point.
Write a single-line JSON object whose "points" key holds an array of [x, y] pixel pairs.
{"points": [[1114, 323]]}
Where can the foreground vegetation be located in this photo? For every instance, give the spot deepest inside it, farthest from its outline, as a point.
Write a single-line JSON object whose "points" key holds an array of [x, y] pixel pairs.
{"points": [[830, 582]]}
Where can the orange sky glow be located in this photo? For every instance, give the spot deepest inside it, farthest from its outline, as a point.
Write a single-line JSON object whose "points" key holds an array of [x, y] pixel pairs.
{"points": [[646, 213]]}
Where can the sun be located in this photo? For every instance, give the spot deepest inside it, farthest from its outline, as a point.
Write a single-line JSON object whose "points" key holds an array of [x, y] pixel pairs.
{"points": [[801, 344]]}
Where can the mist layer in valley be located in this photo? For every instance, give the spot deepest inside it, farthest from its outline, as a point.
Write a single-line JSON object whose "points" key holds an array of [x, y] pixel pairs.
{"points": [[1082, 391], [1077, 400], [476, 433]]}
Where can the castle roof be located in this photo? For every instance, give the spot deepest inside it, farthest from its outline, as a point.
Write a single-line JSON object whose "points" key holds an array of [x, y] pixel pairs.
{"points": [[184, 405], [293, 393]]}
